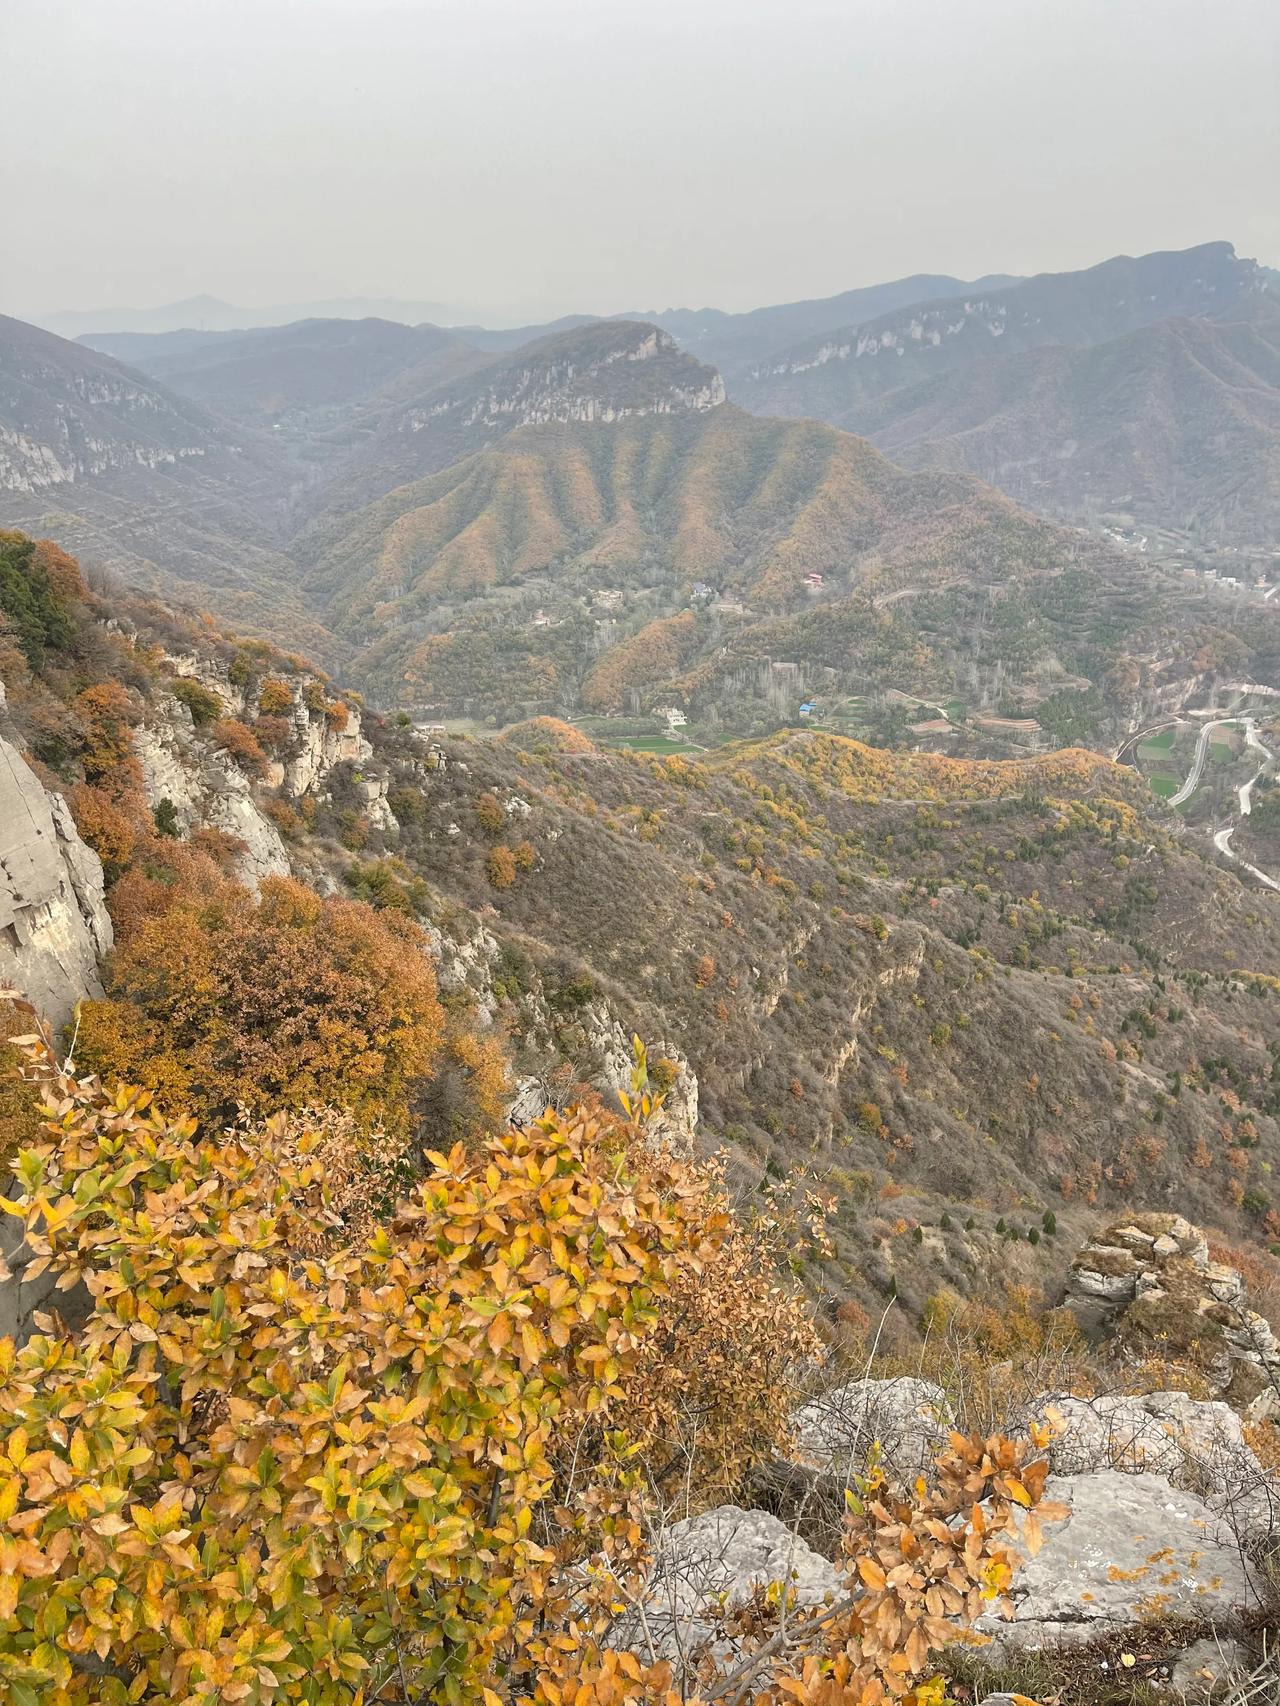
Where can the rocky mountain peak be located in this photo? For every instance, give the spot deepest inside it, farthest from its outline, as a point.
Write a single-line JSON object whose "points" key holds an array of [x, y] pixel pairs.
{"points": [[607, 371]]}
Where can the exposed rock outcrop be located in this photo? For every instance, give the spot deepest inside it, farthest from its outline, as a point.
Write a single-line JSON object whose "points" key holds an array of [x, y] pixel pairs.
{"points": [[207, 787], [53, 922], [715, 1560], [1168, 1433], [319, 747], [592, 1039], [53, 927], [1146, 1283], [1208, 1668], [1128, 1549]]}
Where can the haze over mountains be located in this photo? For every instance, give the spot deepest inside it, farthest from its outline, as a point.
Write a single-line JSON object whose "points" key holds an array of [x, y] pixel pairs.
{"points": [[622, 510], [211, 314]]}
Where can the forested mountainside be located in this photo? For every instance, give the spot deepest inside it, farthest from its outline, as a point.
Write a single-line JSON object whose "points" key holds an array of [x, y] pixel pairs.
{"points": [[918, 1027], [737, 342], [175, 496], [835, 376], [974, 989], [736, 566], [144, 481], [1139, 391], [744, 507], [603, 372], [300, 376]]}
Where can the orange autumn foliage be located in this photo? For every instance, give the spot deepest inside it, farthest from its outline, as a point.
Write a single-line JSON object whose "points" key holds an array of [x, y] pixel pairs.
{"points": [[110, 830], [643, 660], [60, 569], [275, 698], [216, 1002], [107, 714], [402, 1455], [236, 738], [501, 866]]}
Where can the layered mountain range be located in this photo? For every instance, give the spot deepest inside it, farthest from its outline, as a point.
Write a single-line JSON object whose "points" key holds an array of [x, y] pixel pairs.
{"points": [[586, 521]]}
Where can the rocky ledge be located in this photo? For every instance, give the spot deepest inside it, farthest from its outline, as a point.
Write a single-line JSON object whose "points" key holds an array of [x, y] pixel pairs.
{"points": [[1146, 1284]]}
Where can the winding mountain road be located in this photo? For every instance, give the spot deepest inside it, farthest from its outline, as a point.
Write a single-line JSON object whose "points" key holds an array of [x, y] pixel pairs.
{"points": [[1222, 837], [1244, 794], [1196, 771]]}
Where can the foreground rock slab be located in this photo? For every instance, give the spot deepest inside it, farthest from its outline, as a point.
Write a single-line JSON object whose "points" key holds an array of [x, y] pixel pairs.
{"points": [[1133, 1548]]}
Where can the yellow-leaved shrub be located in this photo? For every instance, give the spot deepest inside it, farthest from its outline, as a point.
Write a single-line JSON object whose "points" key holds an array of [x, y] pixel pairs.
{"points": [[293, 1454]]}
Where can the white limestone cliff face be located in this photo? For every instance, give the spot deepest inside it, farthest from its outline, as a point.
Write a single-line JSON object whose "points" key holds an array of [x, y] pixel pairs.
{"points": [[53, 921], [90, 422], [207, 789], [320, 748], [567, 388], [53, 928]]}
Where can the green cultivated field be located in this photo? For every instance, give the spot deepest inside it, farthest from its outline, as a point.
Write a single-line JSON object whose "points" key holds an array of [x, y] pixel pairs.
{"points": [[650, 743]]}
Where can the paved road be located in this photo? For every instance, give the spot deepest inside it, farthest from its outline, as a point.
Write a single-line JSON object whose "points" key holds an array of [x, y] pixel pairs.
{"points": [[1251, 739], [1222, 841], [1197, 763], [1244, 796], [1124, 753]]}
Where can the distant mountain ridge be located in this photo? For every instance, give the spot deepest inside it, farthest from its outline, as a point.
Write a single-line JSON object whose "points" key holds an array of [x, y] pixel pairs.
{"points": [[720, 561], [1176, 425], [212, 314], [585, 519], [170, 492], [267, 373], [1143, 390], [841, 370], [734, 342]]}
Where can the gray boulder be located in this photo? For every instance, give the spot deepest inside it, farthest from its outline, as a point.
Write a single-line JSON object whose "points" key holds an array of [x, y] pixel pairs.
{"points": [[909, 1419], [1132, 1548], [718, 1559], [1196, 1444], [1165, 1432]]}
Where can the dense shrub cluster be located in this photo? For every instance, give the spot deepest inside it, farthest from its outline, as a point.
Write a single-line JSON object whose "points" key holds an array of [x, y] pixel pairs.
{"points": [[294, 1457]]}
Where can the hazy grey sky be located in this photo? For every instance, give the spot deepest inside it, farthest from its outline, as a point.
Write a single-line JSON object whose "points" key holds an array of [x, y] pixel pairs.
{"points": [[537, 156]]}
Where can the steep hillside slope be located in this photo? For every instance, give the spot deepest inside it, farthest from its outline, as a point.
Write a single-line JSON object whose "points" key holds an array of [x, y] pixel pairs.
{"points": [[995, 988], [940, 986], [70, 414], [1176, 425], [422, 422], [835, 376]]}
